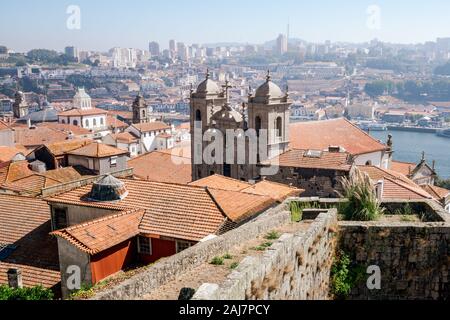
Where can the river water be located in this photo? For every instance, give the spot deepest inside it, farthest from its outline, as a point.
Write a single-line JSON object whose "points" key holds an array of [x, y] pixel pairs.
{"points": [[408, 147]]}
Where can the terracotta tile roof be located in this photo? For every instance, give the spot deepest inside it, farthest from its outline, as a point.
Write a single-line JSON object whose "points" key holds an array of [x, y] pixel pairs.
{"points": [[25, 223], [162, 167], [63, 175], [19, 178], [4, 125], [181, 150], [220, 182], [14, 170], [403, 167], [396, 189], [8, 153], [64, 127], [172, 210], [62, 147], [113, 122], [437, 192], [100, 234], [124, 137], [396, 185], [97, 150], [164, 135], [319, 135], [38, 136], [314, 159], [184, 126], [240, 205], [276, 191], [85, 112], [151, 126]]}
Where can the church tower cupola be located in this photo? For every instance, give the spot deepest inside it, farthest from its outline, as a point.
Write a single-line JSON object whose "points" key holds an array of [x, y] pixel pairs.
{"points": [[140, 110]]}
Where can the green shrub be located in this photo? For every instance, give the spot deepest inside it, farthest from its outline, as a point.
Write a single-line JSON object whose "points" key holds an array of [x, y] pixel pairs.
{"points": [[273, 235], [263, 246], [344, 275], [34, 293], [296, 212], [362, 204], [227, 256], [234, 265], [217, 261], [85, 292]]}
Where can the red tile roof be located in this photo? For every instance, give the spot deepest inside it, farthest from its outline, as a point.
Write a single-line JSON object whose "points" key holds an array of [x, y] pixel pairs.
{"points": [[276, 191], [319, 135], [8, 153], [124, 137], [172, 210], [151, 126], [100, 234], [25, 223], [97, 150], [62, 147], [396, 185], [437, 192], [308, 159], [83, 112], [405, 168], [217, 181], [162, 167], [38, 136]]}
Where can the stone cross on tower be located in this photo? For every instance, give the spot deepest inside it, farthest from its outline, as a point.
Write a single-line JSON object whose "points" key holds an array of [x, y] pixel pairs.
{"points": [[226, 87]]}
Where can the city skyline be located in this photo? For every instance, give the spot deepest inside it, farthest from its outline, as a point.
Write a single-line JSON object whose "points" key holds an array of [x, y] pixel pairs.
{"points": [[134, 25]]}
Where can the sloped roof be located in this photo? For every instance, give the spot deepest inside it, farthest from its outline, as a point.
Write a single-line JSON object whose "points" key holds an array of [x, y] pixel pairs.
{"points": [[124, 137], [217, 181], [298, 158], [172, 210], [396, 185], [83, 112], [319, 135], [240, 205], [8, 153], [97, 150], [100, 234], [437, 192], [405, 168], [25, 223], [151, 126], [61, 147], [276, 191], [162, 167], [38, 136]]}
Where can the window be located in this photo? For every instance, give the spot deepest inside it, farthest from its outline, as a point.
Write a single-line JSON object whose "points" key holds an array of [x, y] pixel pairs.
{"points": [[279, 126], [145, 245], [183, 245], [101, 121], [59, 219], [86, 123], [63, 121], [198, 115], [257, 125], [75, 122], [95, 122], [113, 161]]}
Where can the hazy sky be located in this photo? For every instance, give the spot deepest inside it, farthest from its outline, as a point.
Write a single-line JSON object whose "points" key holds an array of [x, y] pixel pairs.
{"points": [[27, 24]]}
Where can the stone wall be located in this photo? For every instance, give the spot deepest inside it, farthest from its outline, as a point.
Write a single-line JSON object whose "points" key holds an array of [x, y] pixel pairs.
{"points": [[414, 258], [169, 268], [296, 267]]}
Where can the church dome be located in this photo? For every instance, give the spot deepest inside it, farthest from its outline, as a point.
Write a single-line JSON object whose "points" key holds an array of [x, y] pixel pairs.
{"points": [[269, 89], [208, 86], [108, 188]]}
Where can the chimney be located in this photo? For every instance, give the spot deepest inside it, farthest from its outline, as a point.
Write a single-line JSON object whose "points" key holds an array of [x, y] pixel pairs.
{"points": [[29, 123], [15, 278], [379, 189], [434, 165]]}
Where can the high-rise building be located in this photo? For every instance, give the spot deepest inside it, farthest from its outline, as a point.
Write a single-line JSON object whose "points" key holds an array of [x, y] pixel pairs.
{"points": [[172, 46], [183, 51], [72, 52], [282, 44], [153, 47]]}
